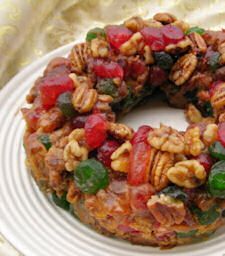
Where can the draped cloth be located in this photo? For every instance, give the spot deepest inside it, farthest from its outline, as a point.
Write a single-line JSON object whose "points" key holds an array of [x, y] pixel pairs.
{"points": [[31, 28]]}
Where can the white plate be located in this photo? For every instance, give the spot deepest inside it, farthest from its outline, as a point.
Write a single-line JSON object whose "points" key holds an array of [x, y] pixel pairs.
{"points": [[33, 224]]}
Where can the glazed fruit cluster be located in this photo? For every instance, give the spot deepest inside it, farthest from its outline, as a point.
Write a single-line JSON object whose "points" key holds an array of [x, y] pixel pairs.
{"points": [[155, 186]]}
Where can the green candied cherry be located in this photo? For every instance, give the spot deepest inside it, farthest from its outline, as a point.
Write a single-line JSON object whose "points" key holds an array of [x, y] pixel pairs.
{"points": [[90, 176], [107, 86], [187, 234], [163, 60], [207, 109], [216, 180], [206, 217], [45, 140], [217, 150], [198, 30], [175, 192], [213, 61], [64, 102], [61, 201], [95, 33]]}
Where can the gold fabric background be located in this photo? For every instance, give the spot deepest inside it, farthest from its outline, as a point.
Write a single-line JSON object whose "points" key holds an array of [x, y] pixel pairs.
{"points": [[31, 28]]}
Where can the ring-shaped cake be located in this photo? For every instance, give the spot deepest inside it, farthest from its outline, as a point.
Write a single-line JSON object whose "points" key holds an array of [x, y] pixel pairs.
{"points": [[156, 186]]}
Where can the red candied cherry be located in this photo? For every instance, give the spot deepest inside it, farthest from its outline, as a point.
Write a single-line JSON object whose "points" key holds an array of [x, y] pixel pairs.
{"points": [[79, 121], [108, 69], [139, 163], [205, 160], [106, 150], [117, 35], [141, 134], [154, 38], [221, 133], [137, 68], [213, 86], [51, 87], [139, 157], [157, 76], [172, 34], [95, 130]]}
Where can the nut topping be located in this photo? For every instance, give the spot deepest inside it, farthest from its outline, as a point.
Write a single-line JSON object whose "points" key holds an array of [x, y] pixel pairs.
{"points": [[188, 174], [133, 45], [210, 134], [198, 41], [120, 131], [135, 24], [193, 143], [78, 57], [166, 210], [164, 17], [183, 68], [218, 98], [166, 139], [84, 98], [76, 150], [160, 163], [120, 157], [99, 48]]}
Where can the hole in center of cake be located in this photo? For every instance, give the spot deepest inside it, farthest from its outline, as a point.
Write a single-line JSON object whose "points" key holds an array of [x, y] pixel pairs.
{"points": [[153, 112]]}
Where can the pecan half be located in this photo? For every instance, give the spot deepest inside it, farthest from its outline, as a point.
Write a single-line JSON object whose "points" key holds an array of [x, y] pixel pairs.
{"points": [[182, 46], [218, 99], [78, 57], [167, 139], [198, 41], [160, 163], [84, 99], [183, 69], [188, 174], [164, 17], [134, 24], [166, 210]]}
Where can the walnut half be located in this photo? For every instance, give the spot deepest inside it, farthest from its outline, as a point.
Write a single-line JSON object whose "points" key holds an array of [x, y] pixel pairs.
{"points": [[76, 149], [167, 139], [188, 174], [120, 157], [120, 131], [193, 143]]}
